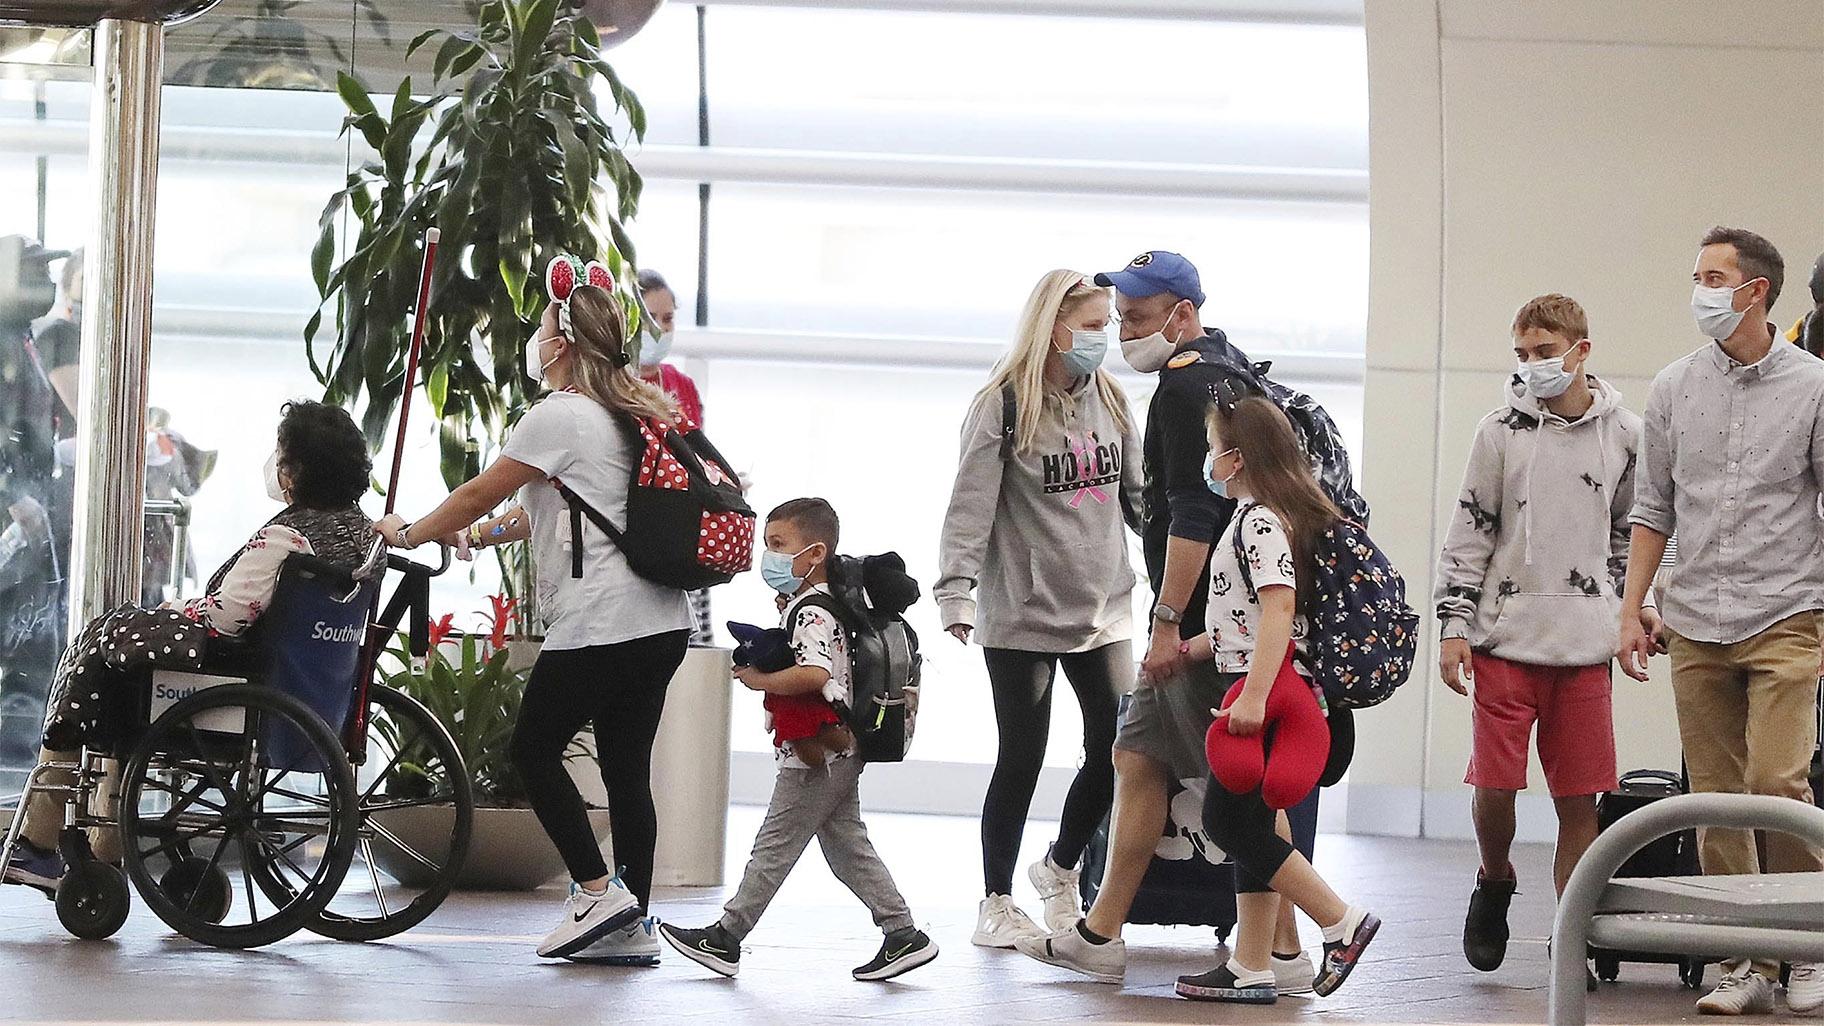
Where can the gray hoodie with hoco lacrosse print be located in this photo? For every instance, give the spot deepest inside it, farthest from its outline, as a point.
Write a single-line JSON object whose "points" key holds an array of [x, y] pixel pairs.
{"points": [[1040, 538], [1537, 552]]}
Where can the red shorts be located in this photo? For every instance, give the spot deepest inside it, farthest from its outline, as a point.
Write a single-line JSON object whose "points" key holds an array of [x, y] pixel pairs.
{"points": [[1576, 721]]}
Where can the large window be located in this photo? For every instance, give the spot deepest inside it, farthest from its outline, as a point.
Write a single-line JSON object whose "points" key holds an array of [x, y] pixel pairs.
{"points": [[884, 188]]}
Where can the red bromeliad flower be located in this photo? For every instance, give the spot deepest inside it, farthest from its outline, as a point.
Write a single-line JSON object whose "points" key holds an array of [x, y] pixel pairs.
{"points": [[441, 628], [501, 620]]}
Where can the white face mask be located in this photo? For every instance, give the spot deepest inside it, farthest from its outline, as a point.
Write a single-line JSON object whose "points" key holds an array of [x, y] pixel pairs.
{"points": [[1548, 378], [534, 368], [1714, 309], [1150, 354], [656, 350], [274, 490]]}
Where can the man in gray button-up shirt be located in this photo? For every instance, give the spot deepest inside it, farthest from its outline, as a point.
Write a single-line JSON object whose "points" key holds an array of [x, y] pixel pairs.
{"points": [[1732, 462]]}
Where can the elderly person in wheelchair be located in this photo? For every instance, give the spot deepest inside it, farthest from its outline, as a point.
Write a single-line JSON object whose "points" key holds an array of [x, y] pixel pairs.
{"points": [[319, 470]]}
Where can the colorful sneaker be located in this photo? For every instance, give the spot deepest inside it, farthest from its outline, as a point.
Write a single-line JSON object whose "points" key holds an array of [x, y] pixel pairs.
{"points": [[1485, 927], [1341, 956], [1000, 922], [35, 867], [636, 944], [1057, 886], [900, 952], [712, 947], [1744, 993], [1295, 976], [588, 918], [1223, 983], [1105, 962]]}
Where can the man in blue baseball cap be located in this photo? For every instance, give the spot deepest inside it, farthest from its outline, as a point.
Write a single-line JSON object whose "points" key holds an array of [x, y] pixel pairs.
{"points": [[1161, 737]]}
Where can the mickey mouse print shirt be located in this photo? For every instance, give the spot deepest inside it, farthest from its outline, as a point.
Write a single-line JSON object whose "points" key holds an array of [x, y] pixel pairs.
{"points": [[1233, 615]]}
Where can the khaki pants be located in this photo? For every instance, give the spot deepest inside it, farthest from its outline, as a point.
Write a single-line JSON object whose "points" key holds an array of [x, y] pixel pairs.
{"points": [[1748, 719], [44, 812]]}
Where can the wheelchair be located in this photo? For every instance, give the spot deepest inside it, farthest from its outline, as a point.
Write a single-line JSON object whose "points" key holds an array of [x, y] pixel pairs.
{"points": [[278, 788]]}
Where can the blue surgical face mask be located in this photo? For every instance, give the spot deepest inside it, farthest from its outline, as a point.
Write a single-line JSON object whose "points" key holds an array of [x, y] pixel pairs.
{"points": [[1548, 378], [1217, 486], [1087, 348], [776, 570]]}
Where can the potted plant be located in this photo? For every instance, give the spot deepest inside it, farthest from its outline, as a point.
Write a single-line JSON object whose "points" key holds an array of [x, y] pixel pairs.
{"points": [[473, 686]]}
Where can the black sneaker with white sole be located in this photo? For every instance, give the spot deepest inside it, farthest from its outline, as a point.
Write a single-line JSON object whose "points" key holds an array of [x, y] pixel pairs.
{"points": [[712, 947], [901, 952]]}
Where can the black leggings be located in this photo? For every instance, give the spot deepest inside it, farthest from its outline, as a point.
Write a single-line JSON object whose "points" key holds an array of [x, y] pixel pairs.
{"points": [[621, 690], [1022, 685], [1243, 826]]}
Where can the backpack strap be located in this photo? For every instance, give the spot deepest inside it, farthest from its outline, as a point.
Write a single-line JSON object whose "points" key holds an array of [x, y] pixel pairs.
{"points": [[578, 510], [1241, 551], [1009, 414]]}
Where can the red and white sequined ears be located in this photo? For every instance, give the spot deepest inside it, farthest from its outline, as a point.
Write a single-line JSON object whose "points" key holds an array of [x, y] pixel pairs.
{"points": [[562, 276], [566, 272]]}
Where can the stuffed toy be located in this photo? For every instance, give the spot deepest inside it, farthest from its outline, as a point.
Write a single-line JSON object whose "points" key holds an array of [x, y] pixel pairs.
{"points": [[808, 724], [1286, 758]]}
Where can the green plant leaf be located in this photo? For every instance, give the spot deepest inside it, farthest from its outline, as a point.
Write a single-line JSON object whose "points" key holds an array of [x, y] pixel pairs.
{"points": [[538, 17], [422, 38]]}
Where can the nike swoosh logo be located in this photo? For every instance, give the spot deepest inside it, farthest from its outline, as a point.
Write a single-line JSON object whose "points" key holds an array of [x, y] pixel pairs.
{"points": [[895, 955], [710, 948]]}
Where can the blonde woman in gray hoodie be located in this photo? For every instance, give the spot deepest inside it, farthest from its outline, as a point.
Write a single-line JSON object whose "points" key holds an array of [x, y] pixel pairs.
{"points": [[1034, 568], [1529, 599]]}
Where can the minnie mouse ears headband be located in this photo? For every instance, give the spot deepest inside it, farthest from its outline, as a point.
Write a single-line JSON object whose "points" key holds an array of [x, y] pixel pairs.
{"points": [[563, 276]]}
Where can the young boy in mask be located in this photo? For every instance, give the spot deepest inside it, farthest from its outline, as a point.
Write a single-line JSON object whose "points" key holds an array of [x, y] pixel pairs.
{"points": [[1528, 595], [816, 794]]}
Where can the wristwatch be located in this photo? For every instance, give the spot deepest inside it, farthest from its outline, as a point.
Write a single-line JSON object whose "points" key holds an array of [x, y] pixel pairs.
{"points": [[1167, 614]]}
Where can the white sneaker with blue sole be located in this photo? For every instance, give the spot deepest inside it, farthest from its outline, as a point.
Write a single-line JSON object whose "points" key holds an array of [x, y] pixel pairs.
{"points": [[636, 944], [588, 918]]}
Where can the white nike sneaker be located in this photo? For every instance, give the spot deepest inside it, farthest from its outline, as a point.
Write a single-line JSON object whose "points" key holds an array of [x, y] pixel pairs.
{"points": [[1294, 976], [1058, 887], [1069, 949], [1805, 988], [588, 918], [1001, 922], [1745, 993], [634, 944]]}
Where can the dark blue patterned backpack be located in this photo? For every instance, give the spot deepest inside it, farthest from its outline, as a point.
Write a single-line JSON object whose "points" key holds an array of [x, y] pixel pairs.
{"points": [[1363, 637]]}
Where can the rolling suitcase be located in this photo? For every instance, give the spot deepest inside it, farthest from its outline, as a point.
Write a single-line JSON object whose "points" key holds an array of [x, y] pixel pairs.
{"points": [[1190, 881], [1673, 855]]}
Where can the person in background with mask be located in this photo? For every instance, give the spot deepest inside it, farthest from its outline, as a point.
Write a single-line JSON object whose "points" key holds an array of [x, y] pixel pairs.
{"points": [[1732, 463], [1808, 331], [1047, 483], [319, 470], [1528, 597], [1160, 739], [662, 304], [613, 639]]}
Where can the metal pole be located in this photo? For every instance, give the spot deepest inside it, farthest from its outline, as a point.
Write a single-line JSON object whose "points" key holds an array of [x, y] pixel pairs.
{"points": [[117, 321]]}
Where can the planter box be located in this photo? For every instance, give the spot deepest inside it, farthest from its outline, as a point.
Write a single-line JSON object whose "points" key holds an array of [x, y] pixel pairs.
{"points": [[507, 852]]}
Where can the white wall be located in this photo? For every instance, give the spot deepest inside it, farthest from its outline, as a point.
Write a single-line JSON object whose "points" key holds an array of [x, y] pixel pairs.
{"points": [[1552, 145]]}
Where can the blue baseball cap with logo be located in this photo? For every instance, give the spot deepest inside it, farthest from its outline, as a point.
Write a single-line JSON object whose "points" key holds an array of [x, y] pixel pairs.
{"points": [[1153, 272]]}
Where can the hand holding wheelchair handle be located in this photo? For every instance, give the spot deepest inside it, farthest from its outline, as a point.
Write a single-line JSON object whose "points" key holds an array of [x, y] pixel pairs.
{"points": [[392, 528]]}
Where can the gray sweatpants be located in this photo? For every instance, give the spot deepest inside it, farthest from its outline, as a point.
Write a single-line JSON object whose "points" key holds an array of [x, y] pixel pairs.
{"points": [[825, 804]]}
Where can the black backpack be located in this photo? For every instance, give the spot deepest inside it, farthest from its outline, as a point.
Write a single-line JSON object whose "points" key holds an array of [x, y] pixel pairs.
{"points": [[688, 526], [1364, 638], [1317, 433], [867, 597]]}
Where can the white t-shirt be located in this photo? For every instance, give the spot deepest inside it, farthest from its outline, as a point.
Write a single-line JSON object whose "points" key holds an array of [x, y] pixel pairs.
{"points": [[818, 640], [570, 437], [1234, 615]]}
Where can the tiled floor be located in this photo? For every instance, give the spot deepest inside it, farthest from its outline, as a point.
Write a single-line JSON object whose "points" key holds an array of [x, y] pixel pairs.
{"points": [[473, 963]]}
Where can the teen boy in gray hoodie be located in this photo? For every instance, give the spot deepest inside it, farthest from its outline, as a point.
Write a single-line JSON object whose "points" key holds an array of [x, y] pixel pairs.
{"points": [[1529, 598]]}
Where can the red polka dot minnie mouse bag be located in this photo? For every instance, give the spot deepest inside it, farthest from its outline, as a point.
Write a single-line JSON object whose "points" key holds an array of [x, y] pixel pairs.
{"points": [[688, 525]]}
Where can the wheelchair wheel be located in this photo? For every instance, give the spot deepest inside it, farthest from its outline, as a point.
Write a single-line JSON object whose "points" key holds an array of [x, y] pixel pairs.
{"points": [[236, 777], [199, 886], [416, 807], [92, 900]]}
